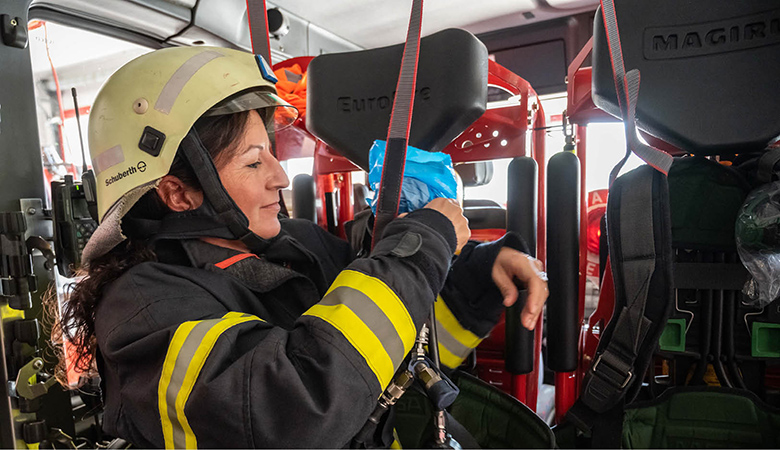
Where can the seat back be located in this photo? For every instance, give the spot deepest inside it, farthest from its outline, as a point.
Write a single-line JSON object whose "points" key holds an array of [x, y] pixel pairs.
{"points": [[708, 71], [350, 95], [482, 214]]}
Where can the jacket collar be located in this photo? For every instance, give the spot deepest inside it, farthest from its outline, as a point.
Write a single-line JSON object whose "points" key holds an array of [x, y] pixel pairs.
{"points": [[255, 271], [202, 254], [284, 258]]}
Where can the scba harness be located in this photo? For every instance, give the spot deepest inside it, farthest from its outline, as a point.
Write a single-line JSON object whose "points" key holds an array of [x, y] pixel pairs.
{"points": [[666, 261]]}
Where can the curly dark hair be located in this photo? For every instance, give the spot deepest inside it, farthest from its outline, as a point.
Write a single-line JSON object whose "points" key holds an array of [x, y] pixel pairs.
{"points": [[74, 320]]}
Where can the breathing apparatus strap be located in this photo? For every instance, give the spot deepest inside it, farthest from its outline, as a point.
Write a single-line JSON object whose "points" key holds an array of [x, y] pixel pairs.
{"points": [[258, 28], [639, 233], [627, 90], [395, 152], [400, 122]]}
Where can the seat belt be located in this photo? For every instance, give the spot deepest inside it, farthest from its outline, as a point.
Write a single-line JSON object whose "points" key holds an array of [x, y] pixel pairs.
{"points": [[639, 235]]}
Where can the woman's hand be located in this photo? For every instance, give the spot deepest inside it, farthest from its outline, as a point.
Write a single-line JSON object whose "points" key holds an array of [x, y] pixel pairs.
{"points": [[512, 264], [452, 210]]}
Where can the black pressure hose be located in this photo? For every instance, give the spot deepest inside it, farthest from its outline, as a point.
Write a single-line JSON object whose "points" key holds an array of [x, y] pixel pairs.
{"points": [[704, 299]]}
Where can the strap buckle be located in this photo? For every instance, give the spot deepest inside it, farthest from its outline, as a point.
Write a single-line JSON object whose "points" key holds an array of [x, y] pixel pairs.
{"points": [[615, 368]]}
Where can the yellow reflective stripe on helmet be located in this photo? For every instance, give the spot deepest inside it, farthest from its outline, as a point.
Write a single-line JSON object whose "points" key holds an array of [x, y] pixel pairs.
{"points": [[455, 342], [372, 318], [191, 344]]}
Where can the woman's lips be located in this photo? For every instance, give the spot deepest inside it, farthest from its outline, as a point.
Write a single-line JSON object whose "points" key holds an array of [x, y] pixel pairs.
{"points": [[273, 206]]}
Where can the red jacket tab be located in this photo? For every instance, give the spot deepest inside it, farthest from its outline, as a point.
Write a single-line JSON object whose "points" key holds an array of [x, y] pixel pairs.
{"points": [[234, 259]]}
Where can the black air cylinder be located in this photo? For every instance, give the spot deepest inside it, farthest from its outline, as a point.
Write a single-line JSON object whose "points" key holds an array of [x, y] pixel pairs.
{"points": [[563, 232], [304, 197], [521, 215]]}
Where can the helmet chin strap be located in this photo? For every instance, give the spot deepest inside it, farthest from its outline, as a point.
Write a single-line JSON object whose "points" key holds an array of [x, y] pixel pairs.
{"points": [[218, 216]]}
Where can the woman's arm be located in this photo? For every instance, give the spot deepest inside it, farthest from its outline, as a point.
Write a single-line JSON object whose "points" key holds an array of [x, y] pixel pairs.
{"points": [[480, 284], [204, 376]]}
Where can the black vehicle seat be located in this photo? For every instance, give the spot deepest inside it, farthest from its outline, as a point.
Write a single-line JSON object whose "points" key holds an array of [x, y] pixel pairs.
{"points": [[671, 240], [350, 95], [360, 193], [349, 100], [304, 198], [482, 214]]}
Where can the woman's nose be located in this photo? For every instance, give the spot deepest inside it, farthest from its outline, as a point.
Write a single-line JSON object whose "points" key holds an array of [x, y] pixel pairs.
{"points": [[278, 178]]}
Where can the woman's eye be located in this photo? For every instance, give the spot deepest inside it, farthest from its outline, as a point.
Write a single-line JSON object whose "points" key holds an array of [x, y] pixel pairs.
{"points": [[254, 165]]}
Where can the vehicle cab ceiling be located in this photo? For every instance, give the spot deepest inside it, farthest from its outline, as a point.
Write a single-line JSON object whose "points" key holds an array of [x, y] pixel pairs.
{"points": [[315, 27]]}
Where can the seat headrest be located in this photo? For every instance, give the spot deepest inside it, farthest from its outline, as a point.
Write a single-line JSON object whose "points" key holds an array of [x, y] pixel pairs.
{"points": [[709, 82], [475, 174], [350, 95]]}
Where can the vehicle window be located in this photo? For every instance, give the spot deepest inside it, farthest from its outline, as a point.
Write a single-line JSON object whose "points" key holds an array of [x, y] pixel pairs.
{"points": [[63, 58], [605, 147]]}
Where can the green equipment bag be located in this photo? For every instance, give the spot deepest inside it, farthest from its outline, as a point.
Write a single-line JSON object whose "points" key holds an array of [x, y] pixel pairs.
{"points": [[702, 418], [704, 198], [493, 418]]}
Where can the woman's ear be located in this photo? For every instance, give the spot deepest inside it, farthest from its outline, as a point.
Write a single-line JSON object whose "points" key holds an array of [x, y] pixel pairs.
{"points": [[177, 195]]}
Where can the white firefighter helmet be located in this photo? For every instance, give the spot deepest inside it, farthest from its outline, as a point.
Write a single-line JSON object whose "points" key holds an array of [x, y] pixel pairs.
{"points": [[147, 107]]}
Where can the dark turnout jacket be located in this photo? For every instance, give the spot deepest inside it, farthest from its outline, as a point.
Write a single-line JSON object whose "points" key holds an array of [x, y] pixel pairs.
{"points": [[210, 347]]}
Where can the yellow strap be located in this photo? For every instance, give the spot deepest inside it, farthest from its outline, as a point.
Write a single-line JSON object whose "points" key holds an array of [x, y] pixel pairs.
{"points": [[191, 344], [455, 342], [352, 306]]}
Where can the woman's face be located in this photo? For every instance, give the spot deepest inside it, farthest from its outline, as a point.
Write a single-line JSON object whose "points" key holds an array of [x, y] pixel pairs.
{"points": [[253, 178]]}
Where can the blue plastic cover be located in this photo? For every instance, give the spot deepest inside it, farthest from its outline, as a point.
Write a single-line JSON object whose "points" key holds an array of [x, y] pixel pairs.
{"points": [[427, 175]]}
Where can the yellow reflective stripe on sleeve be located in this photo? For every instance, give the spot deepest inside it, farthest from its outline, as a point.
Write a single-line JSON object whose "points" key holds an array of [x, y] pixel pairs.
{"points": [[396, 442], [360, 336], [164, 386], [372, 318], [191, 344], [455, 342], [447, 358], [384, 297]]}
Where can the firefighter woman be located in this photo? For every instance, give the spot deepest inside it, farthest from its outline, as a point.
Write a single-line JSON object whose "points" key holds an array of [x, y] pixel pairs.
{"points": [[212, 322]]}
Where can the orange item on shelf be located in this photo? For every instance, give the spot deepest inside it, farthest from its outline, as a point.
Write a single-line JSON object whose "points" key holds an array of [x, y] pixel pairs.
{"points": [[292, 86]]}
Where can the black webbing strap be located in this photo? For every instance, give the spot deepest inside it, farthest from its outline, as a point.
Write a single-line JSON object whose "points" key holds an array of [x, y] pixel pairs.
{"points": [[633, 254], [227, 212], [218, 216], [258, 29], [639, 234], [400, 122]]}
